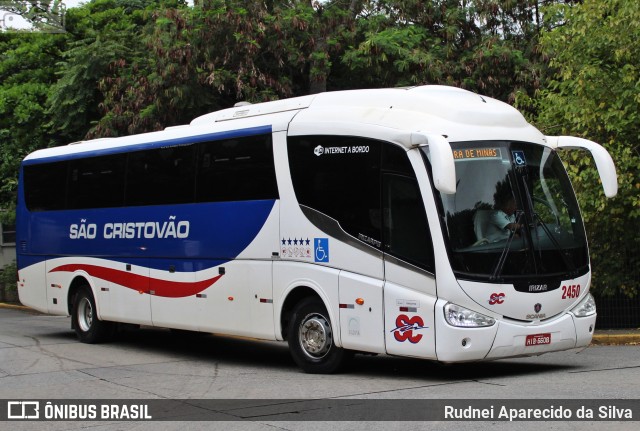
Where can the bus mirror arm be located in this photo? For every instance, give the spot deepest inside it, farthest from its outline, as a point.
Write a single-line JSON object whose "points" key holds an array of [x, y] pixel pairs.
{"points": [[604, 162], [442, 162]]}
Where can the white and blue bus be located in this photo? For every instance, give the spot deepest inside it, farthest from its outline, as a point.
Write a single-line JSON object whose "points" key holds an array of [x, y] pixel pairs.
{"points": [[428, 222]]}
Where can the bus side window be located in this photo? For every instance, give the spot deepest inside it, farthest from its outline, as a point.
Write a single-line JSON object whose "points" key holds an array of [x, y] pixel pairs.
{"points": [[161, 177], [339, 176], [45, 186], [96, 182], [406, 229], [236, 170]]}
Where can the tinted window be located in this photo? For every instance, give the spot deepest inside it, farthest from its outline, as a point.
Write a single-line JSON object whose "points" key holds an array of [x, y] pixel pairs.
{"points": [[350, 179], [525, 184], [161, 177], [394, 159], [45, 186], [236, 169], [226, 170], [406, 229], [96, 182], [340, 177]]}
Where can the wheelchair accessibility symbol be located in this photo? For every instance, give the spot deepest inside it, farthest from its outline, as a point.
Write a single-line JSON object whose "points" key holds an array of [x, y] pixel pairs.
{"points": [[321, 249], [518, 158]]}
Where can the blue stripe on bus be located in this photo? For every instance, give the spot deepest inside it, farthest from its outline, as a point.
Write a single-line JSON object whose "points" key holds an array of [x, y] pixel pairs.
{"points": [[217, 232], [251, 131]]}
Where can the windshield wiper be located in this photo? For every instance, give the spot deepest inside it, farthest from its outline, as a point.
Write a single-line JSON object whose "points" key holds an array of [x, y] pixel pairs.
{"points": [[536, 217], [568, 264], [505, 251]]}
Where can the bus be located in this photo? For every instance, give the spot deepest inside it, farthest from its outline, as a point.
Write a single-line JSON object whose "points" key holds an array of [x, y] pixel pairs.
{"points": [[361, 221]]}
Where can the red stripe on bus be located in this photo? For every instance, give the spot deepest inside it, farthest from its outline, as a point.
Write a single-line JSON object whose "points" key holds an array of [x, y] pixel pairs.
{"points": [[164, 288]]}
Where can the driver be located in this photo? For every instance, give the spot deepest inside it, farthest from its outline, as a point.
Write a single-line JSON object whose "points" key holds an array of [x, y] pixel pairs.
{"points": [[502, 221]]}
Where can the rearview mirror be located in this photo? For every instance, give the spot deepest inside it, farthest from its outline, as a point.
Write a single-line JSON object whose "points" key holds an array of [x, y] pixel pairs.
{"points": [[442, 163], [604, 162]]}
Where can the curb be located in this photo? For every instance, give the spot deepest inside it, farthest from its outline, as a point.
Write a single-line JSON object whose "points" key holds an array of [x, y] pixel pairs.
{"points": [[14, 306], [622, 338]]}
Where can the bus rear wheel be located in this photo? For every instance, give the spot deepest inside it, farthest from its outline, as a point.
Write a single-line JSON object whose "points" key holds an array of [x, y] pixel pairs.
{"points": [[310, 338], [85, 322]]}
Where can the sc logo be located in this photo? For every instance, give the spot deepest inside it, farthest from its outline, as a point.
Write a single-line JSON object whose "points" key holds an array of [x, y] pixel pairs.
{"points": [[496, 298]]}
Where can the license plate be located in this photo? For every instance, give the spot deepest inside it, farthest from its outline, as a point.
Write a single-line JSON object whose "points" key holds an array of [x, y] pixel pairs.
{"points": [[537, 339]]}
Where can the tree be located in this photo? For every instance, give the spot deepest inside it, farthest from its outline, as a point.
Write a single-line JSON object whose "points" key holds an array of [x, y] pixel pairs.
{"points": [[595, 93], [195, 60], [220, 52], [483, 46], [27, 72], [100, 34], [49, 81]]}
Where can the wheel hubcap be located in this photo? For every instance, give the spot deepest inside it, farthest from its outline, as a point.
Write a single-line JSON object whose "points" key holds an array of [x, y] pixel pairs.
{"points": [[85, 314], [315, 336]]}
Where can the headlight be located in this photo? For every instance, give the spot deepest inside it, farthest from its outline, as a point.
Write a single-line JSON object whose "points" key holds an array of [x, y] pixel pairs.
{"points": [[586, 307], [460, 316]]}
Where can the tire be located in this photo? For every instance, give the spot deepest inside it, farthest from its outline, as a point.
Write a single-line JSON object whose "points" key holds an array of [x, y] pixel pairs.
{"points": [[84, 319], [310, 339]]}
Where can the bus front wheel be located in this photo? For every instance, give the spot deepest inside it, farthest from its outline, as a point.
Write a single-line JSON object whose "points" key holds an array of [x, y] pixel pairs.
{"points": [[85, 322], [310, 338]]}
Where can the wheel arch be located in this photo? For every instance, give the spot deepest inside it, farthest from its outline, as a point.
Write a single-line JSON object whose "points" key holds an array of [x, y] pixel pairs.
{"points": [[79, 281], [293, 297]]}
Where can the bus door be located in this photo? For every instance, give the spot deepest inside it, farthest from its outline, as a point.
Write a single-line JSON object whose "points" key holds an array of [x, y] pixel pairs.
{"points": [[409, 288]]}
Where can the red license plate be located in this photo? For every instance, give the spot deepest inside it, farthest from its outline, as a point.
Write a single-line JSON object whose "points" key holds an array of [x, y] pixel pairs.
{"points": [[537, 339]]}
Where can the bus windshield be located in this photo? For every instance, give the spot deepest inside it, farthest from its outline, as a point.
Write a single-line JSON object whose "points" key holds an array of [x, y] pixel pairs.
{"points": [[514, 215]]}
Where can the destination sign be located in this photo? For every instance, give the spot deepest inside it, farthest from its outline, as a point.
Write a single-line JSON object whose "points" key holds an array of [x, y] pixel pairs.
{"points": [[477, 153]]}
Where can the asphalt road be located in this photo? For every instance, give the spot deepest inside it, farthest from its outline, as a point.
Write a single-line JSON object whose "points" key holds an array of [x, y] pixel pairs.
{"points": [[40, 358]]}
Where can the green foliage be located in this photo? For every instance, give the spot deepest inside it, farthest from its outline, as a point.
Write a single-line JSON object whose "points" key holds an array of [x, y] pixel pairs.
{"points": [[26, 73], [208, 57], [488, 47], [595, 93], [8, 277], [105, 32], [44, 15]]}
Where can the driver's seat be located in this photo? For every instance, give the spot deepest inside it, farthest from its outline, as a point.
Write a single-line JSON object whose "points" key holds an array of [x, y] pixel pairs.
{"points": [[480, 223]]}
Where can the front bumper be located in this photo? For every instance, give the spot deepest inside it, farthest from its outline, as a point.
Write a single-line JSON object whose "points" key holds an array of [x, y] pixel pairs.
{"points": [[508, 339]]}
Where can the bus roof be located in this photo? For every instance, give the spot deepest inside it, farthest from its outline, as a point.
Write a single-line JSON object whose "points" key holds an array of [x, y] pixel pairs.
{"points": [[458, 114]]}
